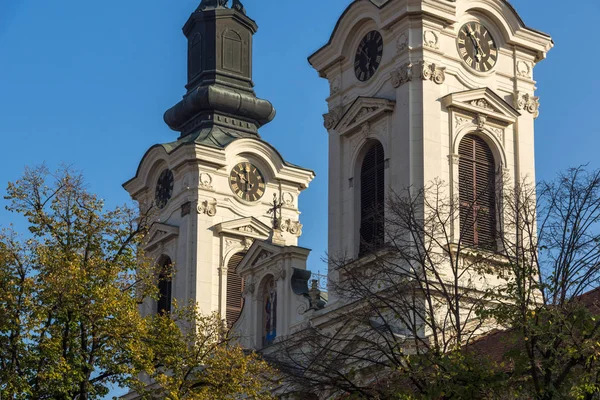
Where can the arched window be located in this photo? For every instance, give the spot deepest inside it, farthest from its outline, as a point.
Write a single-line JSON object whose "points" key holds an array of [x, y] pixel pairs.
{"points": [[372, 189], [235, 287], [269, 312], [164, 286], [477, 192]]}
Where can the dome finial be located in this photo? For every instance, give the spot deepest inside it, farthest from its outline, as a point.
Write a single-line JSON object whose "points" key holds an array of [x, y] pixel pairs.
{"points": [[214, 4]]}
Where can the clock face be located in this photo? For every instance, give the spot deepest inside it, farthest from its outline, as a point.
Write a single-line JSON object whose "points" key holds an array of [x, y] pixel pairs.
{"points": [[164, 188], [477, 47], [247, 182], [368, 56]]}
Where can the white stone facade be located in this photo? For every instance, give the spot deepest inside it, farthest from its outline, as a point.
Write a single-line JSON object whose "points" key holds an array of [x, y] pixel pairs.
{"points": [[423, 99], [205, 223]]}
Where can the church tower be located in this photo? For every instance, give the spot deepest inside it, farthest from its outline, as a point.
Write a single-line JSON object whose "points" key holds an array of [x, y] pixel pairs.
{"points": [[420, 91], [210, 191]]}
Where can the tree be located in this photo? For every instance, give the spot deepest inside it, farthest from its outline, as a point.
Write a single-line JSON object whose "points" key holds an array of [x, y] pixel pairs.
{"points": [[414, 310], [70, 326], [201, 363]]}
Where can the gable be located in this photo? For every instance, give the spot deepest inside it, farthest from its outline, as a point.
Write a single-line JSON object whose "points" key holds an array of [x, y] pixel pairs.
{"points": [[246, 227], [482, 102], [364, 109], [259, 251], [160, 233]]}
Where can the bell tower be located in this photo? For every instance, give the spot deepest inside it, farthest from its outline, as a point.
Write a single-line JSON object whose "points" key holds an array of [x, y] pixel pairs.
{"points": [[210, 190], [420, 91]]}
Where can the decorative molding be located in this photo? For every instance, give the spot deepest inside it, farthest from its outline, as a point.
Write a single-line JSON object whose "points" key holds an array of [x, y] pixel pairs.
{"points": [[525, 101], [208, 207], [186, 208], [364, 109], [247, 243], [205, 181], [454, 159], [288, 199], [160, 234], [402, 42], [229, 243], [185, 183], [293, 227], [431, 40], [262, 256], [280, 272], [332, 117], [482, 103], [459, 120], [432, 72], [524, 69], [362, 113], [334, 85], [249, 286], [480, 121], [402, 75], [246, 229]]}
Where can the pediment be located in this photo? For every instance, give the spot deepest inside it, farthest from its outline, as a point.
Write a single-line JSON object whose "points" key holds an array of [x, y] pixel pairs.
{"points": [[482, 101], [245, 227], [160, 233], [364, 109], [259, 252]]}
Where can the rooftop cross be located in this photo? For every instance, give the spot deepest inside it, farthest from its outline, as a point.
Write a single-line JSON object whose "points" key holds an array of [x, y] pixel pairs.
{"points": [[276, 206]]}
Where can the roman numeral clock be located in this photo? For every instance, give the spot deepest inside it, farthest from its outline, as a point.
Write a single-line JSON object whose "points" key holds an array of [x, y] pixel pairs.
{"points": [[247, 182], [368, 56], [477, 47]]}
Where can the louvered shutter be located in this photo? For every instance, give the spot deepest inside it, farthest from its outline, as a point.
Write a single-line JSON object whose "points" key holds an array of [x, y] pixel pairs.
{"points": [[372, 189], [235, 287], [477, 192], [164, 287]]}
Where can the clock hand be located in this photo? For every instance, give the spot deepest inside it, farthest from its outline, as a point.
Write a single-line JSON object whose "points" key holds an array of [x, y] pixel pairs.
{"points": [[479, 49], [248, 187], [475, 42]]}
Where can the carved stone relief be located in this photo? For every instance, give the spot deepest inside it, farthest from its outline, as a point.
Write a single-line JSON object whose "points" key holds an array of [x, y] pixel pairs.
{"points": [[334, 85], [524, 69], [481, 122], [525, 101], [262, 256], [280, 272], [293, 227], [246, 229], [208, 207], [206, 181], [363, 112], [402, 75], [288, 199], [432, 72], [482, 103], [402, 42], [332, 117], [430, 39], [249, 286]]}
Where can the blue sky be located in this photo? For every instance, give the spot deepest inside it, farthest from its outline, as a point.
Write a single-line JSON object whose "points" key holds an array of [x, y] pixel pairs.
{"points": [[86, 84]]}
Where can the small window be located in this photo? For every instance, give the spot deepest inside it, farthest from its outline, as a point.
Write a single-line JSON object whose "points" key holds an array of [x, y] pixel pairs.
{"points": [[372, 189], [477, 192], [164, 286], [235, 288]]}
